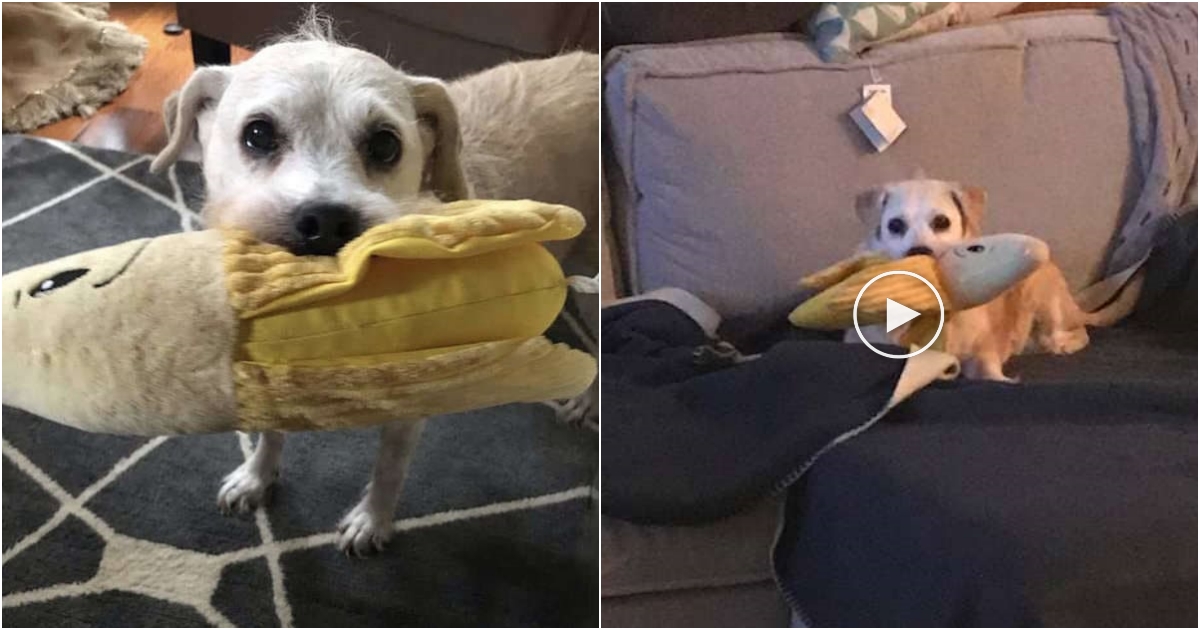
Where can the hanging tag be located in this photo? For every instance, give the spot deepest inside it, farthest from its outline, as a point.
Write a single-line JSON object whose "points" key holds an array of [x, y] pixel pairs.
{"points": [[872, 89], [874, 73], [878, 120]]}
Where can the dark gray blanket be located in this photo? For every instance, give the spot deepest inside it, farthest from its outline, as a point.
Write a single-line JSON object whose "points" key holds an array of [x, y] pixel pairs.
{"points": [[692, 435], [1069, 499]]}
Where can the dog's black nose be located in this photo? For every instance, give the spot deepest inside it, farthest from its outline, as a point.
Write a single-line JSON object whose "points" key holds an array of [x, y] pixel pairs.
{"points": [[321, 229], [920, 250]]}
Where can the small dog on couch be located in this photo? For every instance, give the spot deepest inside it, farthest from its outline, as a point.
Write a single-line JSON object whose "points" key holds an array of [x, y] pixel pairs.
{"points": [[310, 142], [927, 216]]}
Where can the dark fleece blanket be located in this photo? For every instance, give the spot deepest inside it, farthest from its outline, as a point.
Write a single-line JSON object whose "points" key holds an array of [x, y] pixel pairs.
{"points": [[692, 434], [1069, 499]]}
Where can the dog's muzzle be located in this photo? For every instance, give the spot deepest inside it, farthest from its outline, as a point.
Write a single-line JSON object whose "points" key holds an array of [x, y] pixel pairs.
{"points": [[322, 228]]}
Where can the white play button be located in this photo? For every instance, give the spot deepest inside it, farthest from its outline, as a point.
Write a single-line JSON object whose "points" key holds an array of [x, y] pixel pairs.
{"points": [[898, 315]]}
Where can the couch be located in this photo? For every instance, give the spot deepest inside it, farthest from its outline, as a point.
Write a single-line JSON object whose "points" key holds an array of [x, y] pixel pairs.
{"points": [[442, 40], [731, 167]]}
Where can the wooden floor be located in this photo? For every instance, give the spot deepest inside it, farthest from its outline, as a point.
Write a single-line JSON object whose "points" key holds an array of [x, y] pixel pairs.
{"points": [[133, 121]]}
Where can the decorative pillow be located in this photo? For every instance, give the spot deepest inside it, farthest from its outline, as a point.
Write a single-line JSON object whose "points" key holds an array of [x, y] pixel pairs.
{"points": [[844, 29]]}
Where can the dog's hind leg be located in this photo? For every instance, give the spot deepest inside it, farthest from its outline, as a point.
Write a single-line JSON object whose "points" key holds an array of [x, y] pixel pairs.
{"points": [[369, 525], [1059, 323], [246, 487]]}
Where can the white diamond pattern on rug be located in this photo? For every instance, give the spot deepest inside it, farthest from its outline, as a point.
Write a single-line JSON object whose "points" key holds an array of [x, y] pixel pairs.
{"points": [[156, 554]]}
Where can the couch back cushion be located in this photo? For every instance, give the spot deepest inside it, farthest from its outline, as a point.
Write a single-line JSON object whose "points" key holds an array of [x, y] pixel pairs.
{"points": [[740, 163]]}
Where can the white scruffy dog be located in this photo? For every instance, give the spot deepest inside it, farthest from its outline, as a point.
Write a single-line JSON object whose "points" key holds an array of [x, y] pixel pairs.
{"points": [[310, 142]]}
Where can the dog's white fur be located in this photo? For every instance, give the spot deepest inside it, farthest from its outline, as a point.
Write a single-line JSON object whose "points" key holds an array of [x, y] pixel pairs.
{"points": [[937, 215], [521, 130]]}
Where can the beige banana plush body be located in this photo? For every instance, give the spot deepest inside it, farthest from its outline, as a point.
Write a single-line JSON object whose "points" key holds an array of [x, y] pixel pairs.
{"points": [[214, 331]]}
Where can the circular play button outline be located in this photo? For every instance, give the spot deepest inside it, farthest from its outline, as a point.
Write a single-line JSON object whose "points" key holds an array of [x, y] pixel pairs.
{"points": [[941, 315]]}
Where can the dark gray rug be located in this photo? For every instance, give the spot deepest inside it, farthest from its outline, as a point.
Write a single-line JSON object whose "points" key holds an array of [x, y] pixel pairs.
{"points": [[497, 525]]}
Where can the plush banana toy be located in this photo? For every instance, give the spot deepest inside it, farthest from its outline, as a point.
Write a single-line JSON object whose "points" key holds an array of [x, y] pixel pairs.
{"points": [[971, 274], [214, 331]]}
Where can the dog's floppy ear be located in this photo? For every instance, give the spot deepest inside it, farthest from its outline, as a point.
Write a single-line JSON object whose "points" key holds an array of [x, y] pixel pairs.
{"points": [[438, 120], [868, 205], [972, 203], [182, 108]]}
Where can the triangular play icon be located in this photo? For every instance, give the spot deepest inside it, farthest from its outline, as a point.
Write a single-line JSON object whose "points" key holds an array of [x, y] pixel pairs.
{"points": [[898, 315]]}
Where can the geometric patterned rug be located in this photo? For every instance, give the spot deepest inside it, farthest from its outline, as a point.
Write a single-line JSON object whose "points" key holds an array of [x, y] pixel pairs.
{"points": [[497, 524]]}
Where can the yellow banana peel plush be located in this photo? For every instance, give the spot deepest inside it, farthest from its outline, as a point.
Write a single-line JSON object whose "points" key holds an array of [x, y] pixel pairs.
{"points": [[971, 274], [214, 331]]}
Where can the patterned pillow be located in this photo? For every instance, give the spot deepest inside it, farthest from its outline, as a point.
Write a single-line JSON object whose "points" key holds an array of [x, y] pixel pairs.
{"points": [[844, 29]]}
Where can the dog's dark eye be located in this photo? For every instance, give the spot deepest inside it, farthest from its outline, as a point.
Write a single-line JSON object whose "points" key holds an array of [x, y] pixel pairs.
{"points": [[383, 148], [897, 226], [57, 281], [975, 249], [940, 223], [259, 136]]}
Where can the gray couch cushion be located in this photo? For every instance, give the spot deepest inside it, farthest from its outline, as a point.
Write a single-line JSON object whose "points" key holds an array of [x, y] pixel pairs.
{"points": [[756, 605], [641, 559], [742, 163]]}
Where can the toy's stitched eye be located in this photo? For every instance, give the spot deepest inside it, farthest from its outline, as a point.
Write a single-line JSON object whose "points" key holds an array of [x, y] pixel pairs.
{"points": [[383, 148], [897, 226], [975, 249], [259, 137], [57, 281], [940, 223]]}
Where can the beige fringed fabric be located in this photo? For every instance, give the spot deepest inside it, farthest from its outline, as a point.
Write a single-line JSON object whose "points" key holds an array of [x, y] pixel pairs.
{"points": [[62, 59]]}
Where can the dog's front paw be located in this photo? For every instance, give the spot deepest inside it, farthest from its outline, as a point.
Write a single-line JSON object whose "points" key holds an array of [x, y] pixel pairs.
{"points": [[1065, 341], [986, 370], [245, 488], [364, 530], [577, 410]]}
